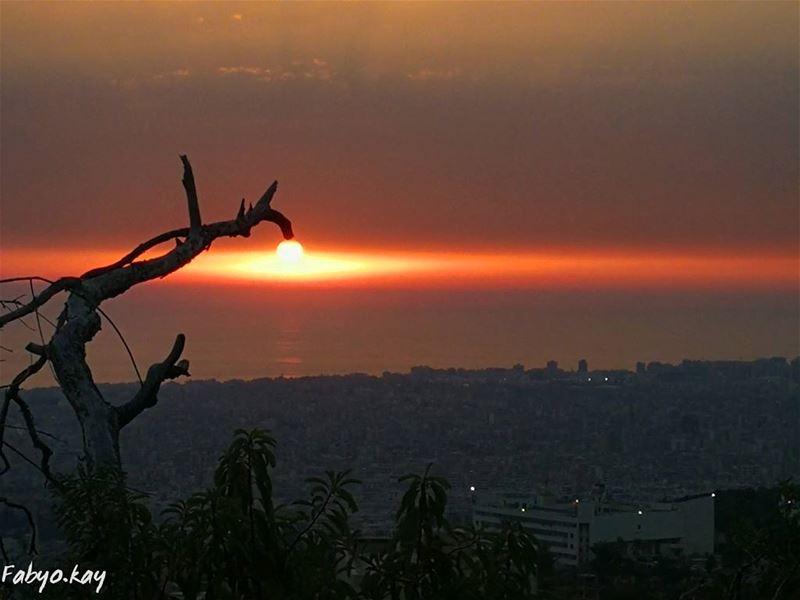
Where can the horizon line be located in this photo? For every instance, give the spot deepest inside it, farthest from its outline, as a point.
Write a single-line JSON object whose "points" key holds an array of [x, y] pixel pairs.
{"points": [[388, 372]]}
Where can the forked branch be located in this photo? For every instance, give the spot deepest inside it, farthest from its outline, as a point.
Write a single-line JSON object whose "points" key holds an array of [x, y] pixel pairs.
{"points": [[111, 280], [12, 395], [79, 322], [147, 396]]}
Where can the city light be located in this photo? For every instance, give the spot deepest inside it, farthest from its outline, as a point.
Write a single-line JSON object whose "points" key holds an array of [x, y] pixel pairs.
{"points": [[472, 488], [640, 512]]}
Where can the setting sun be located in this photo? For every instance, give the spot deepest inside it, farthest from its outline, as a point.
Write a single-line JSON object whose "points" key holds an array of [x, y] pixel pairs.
{"points": [[289, 252]]}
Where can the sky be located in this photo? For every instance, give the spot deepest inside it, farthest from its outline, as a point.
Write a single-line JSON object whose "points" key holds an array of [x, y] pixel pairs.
{"points": [[637, 158]]}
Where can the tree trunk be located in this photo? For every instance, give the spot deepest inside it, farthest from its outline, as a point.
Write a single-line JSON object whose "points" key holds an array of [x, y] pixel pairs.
{"points": [[67, 351]]}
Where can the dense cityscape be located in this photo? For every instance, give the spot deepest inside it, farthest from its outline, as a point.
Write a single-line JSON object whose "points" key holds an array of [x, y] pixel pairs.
{"points": [[654, 433]]}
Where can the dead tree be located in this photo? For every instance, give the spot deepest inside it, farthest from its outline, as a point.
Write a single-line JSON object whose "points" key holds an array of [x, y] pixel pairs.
{"points": [[79, 321]]}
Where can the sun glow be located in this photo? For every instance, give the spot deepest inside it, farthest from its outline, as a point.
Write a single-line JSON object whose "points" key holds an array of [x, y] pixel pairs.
{"points": [[289, 262], [570, 269], [290, 253]]}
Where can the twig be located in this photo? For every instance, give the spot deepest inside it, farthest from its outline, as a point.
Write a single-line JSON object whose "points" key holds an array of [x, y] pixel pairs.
{"points": [[123, 340], [12, 394], [62, 317], [65, 283], [50, 478], [39, 431], [39, 327], [3, 416], [32, 547]]}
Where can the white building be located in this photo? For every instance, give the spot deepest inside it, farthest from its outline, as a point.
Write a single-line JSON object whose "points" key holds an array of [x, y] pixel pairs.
{"points": [[570, 528]]}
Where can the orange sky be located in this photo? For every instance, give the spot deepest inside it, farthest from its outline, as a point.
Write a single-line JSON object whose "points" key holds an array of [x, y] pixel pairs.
{"points": [[640, 150]]}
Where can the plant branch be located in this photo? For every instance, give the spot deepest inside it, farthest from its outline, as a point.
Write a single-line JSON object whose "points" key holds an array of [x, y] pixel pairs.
{"points": [[315, 517], [147, 396], [63, 284], [32, 545], [12, 394], [195, 222]]}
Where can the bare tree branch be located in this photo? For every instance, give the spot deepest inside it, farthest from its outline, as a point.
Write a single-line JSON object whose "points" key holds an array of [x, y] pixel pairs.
{"points": [[65, 283], [36, 349], [12, 395], [195, 222], [5, 304], [33, 433], [32, 545], [117, 281], [161, 238], [79, 321], [53, 480], [11, 392], [39, 431], [36, 314], [39, 329], [147, 396], [3, 416], [118, 277]]}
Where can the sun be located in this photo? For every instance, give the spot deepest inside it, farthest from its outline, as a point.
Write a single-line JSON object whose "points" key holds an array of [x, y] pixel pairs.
{"points": [[289, 253]]}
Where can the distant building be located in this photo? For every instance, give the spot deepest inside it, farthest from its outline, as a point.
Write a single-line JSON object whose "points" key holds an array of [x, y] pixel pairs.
{"points": [[719, 370], [569, 528], [583, 367]]}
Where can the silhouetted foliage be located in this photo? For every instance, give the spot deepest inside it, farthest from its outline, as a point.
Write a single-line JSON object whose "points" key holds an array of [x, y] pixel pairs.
{"points": [[231, 542], [763, 549], [109, 526], [427, 558]]}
